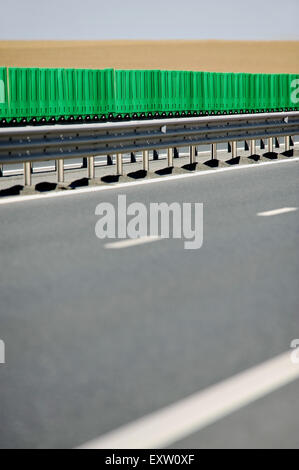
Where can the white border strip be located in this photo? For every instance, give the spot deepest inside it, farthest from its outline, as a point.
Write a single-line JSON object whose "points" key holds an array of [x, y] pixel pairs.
{"points": [[173, 423], [90, 189]]}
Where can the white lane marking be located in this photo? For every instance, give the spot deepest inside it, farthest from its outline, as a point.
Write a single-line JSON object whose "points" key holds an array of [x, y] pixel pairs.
{"points": [[171, 424], [91, 189], [283, 210], [131, 242]]}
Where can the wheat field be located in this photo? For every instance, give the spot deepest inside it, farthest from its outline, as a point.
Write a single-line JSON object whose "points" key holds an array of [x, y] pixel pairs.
{"points": [[216, 56]]}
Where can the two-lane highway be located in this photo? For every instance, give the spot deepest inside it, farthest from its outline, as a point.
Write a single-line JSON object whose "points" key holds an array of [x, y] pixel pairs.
{"points": [[96, 338]]}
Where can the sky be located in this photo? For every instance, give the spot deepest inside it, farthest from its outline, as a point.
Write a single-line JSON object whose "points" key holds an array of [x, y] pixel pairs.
{"points": [[149, 19]]}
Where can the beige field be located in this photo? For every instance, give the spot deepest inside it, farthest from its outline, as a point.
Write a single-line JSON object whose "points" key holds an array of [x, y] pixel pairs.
{"points": [[221, 56]]}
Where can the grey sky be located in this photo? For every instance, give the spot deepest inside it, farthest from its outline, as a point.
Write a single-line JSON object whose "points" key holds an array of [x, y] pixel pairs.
{"points": [[149, 19]]}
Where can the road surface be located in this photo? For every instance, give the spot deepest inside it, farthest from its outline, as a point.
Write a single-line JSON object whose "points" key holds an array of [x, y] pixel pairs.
{"points": [[96, 338]]}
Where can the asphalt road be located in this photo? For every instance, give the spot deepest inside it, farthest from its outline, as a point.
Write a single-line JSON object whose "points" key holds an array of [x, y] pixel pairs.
{"points": [[96, 338]]}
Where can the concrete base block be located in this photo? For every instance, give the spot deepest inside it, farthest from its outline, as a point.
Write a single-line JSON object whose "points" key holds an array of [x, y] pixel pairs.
{"points": [[178, 170], [241, 161], [141, 174], [202, 167], [287, 153], [115, 179], [190, 167], [27, 190], [214, 163], [268, 156], [62, 186], [94, 182], [169, 170]]}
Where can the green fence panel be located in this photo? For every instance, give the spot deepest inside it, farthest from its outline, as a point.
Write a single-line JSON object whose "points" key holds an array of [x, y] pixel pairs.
{"points": [[197, 99], [268, 92], [286, 94], [156, 90], [150, 89], [126, 93], [172, 90], [230, 91], [71, 95], [19, 93], [252, 98], [36, 106], [138, 91], [225, 94], [164, 89], [273, 91], [218, 85], [205, 91], [42, 92], [80, 77], [54, 109], [106, 89], [279, 91], [128, 96]]}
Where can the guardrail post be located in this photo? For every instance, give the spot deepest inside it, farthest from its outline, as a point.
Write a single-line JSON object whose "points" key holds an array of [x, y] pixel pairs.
{"points": [[234, 149], [252, 147], [192, 154], [145, 160], [27, 174], [60, 170], [213, 151], [119, 164], [90, 166], [270, 144], [170, 157], [287, 143]]}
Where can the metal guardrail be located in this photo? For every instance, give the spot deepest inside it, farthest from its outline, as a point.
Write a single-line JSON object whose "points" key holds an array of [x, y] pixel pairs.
{"points": [[58, 142]]}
